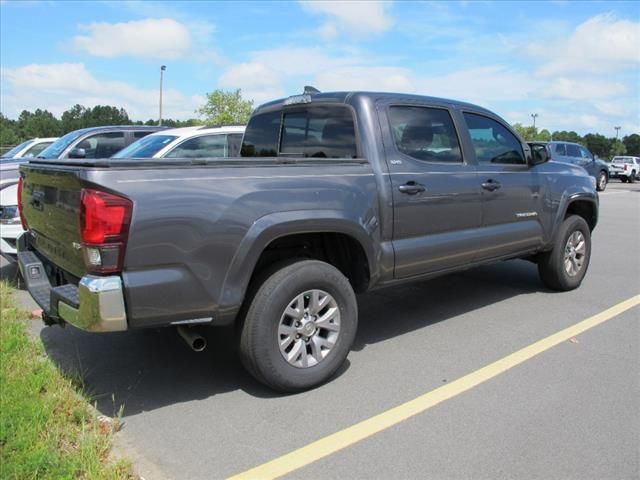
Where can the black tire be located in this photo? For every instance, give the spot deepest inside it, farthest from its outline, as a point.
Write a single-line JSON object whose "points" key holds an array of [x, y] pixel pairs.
{"points": [[601, 182], [623, 179], [551, 265], [632, 177], [259, 338]]}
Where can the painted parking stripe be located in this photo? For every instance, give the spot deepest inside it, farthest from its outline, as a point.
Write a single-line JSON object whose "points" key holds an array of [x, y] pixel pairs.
{"points": [[337, 441]]}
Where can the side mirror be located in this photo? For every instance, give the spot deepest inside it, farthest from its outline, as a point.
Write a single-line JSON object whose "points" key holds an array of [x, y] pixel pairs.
{"points": [[539, 154], [77, 153]]}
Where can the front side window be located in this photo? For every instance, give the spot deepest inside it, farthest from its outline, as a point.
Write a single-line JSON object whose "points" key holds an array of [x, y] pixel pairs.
{"points": [[56, 148], [261, 137], [585, 153], [492, 142], [561, 149], [146, 147], [205, 146], [425, 133], [319, 132], [102, 145], [573, 151]]}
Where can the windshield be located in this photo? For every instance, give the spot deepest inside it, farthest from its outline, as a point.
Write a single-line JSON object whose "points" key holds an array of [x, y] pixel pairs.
{"points": [[56, 148], [14, 151], [146, 147]]}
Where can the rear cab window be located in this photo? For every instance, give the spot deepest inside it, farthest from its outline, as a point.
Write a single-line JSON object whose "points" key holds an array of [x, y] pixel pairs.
{"points": [[317, 131]]}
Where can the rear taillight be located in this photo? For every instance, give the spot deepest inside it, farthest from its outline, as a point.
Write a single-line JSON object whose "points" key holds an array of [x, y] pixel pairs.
{"points": [[104, 225], [625, 167], [22, 220]]}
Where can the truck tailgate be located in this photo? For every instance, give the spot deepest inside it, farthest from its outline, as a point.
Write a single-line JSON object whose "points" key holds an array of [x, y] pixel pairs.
{"points": [[51, 208]]}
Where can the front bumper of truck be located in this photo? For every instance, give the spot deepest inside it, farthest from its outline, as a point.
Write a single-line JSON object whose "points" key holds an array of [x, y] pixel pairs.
{"points": [[96, 304]]}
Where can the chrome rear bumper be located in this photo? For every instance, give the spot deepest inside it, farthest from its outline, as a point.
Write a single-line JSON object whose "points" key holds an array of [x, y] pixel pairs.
{"points": [[96, 304]]}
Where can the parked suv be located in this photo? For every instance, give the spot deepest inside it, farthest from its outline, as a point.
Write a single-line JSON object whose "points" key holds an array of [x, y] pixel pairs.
{"points": [[188, 142], [576, 154], [627, 169], [96, 142]]}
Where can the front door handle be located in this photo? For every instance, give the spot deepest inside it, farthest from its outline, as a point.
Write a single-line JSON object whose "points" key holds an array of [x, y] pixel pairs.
{"points": [[491, 185], [411, 188]]}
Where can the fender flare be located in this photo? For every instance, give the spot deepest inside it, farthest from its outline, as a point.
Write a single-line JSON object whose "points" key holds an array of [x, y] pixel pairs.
{"points": [[280, 224], [565, 202]]}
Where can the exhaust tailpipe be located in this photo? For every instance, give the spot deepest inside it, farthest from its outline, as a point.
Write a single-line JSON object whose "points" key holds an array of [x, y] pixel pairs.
{"points": [[196, 341]]}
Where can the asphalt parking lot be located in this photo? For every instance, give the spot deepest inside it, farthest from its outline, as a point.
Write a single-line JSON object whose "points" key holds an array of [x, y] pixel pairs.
{"points": [[570, 412]]}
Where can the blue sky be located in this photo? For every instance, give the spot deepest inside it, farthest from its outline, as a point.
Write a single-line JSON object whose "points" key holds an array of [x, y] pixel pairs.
{"points": [[576, 64]]}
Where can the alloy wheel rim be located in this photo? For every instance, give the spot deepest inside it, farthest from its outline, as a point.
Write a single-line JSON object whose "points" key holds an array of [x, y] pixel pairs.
{"points": [[574, 253], [309, 328]]}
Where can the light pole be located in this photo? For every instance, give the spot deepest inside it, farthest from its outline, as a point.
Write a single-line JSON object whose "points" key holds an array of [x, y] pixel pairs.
{"points": [[162, 69], [534, 116], [617, 131]]}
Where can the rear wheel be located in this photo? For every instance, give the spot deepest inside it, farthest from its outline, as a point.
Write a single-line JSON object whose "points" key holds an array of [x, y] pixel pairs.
{"points": [[564, 267], [623, 179], [299, 326], [603, 179]]}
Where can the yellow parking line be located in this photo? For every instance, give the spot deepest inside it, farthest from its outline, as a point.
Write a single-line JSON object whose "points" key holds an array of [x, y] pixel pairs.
{"points": [[343, 438]]}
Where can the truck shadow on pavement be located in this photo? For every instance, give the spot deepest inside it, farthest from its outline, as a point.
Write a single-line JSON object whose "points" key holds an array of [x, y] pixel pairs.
{"points": [[143, 370]]}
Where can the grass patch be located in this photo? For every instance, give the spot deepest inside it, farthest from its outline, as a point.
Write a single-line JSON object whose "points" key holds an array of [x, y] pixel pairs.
{"points": [[46, 427]]}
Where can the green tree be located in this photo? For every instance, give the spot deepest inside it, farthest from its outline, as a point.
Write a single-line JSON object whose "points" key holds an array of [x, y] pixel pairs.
{"points": [[632, 143], [226, 108], [565, 136], [74, 118], [40, 123], [618, 148], [597, 144], [9, 134], [544, 135]]}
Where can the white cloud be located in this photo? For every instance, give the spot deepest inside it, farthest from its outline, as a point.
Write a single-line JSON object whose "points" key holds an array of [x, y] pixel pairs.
{"points": [[161, 38], [602, 44], [586, 89], [57, 87], [361, 17]]}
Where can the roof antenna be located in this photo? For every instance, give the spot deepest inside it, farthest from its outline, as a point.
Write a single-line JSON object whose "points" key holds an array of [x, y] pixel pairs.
{"points": [[309, 90]]}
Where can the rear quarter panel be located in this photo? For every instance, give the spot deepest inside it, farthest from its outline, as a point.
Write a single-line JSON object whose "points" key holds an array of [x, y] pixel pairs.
{"points": [[197, 232]]}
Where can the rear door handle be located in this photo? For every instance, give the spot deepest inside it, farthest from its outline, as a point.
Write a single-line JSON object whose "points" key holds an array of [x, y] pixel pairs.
{"points": [[411, 188], [491, 185]]}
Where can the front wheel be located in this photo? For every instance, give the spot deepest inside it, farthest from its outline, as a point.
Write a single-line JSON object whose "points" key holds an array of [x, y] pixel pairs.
{"points": [[564, 267], [603, 179], [632, 177], [299, 327]]}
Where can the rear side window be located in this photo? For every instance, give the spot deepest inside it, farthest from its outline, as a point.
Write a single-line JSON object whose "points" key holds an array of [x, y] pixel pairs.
{"points": [[425, 133], [234, 142], [261, 137], [205, 146], [36, 149], [492, 142]]}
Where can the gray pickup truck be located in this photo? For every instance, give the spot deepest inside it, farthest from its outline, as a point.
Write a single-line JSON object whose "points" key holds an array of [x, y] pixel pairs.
{"points": [[335, 194]]}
